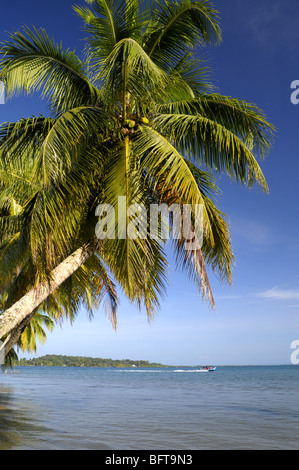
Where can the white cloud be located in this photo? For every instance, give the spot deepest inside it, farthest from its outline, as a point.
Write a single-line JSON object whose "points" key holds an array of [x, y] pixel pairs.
{"points": [[280, 294]]}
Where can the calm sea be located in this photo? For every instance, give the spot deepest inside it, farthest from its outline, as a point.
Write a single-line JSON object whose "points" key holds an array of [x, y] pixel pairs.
{"points": [[150, 409]]}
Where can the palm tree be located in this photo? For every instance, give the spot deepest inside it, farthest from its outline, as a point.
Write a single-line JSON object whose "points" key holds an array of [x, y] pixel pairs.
{"points": [[137, 118]]}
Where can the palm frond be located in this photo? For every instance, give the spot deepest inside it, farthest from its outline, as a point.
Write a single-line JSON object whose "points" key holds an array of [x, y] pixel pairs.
{"points": [[242, 118], [161, 159], [187, 79], [107, 23], [137, 263], [20, 143], [32, 61], [128, 70], [218, 255], [71, 130], [34, 330], [213, 146], [177, 27]]}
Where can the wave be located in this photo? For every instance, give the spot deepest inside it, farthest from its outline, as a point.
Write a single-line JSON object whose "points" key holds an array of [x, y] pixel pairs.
{"points": [[159, 370], [139, 370]]}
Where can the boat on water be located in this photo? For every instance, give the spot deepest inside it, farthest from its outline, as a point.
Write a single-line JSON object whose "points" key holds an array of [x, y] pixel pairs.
{"points": [[208, 369], [201, 369]]}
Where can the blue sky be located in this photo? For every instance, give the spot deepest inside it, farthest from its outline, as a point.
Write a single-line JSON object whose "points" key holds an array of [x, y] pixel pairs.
{"points": [[258, 317]]}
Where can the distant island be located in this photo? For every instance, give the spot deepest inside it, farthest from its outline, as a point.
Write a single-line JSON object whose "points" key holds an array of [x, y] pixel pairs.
{"points": [[52, 360]]}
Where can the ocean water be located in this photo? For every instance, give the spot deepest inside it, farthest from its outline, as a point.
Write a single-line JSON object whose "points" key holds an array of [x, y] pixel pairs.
{"points": [[150, 409]]}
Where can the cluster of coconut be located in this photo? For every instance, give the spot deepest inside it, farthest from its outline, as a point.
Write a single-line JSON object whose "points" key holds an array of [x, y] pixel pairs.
{"points": [[129, 125]]}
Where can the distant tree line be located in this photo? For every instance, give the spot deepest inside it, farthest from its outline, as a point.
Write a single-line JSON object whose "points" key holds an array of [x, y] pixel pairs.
{"points": [[79, 361]]}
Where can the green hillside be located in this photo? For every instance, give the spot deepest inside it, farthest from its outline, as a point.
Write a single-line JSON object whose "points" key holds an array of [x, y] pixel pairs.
{"points": [[79, 361]]}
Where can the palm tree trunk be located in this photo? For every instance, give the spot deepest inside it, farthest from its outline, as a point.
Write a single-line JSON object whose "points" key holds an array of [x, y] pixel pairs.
{"points": [[15, 334], [17, 313]]}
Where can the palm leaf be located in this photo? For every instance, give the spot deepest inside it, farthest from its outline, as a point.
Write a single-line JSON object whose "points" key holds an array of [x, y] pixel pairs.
{"points": [[242, 118], [176, 27], [137, 263], [187, 79], [128, 70], [71, 130], [107, 23], [160, 158], [31, 61], [212, 145]]}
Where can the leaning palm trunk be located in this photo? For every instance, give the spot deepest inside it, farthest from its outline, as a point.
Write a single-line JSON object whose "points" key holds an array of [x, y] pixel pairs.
{"points": [[14, 316], [15, 334]]}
